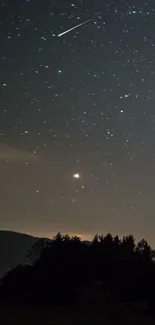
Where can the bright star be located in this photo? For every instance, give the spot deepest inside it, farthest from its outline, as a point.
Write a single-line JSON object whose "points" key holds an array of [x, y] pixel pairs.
{"points": [[77, 176]]}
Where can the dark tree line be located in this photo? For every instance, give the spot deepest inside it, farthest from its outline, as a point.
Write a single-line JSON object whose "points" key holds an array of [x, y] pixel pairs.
{"points": [[68, 270]]}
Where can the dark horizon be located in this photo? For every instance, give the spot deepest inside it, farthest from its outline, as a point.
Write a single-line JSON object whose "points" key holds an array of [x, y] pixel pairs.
{"points": [[83, 237]]}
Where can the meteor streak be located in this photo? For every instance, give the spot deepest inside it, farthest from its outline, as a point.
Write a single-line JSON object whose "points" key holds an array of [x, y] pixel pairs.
{"points": [[69, 30]]}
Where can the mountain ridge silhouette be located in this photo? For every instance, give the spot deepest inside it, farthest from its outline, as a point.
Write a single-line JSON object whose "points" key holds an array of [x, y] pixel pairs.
{"points": [[13, 249]]}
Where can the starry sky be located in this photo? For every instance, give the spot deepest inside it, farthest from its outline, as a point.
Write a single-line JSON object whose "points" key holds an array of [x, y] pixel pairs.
{"points": [[77, 117]]}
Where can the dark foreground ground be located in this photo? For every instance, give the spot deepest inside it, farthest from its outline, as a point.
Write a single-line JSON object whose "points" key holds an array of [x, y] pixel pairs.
{"points": [[26, 315]]}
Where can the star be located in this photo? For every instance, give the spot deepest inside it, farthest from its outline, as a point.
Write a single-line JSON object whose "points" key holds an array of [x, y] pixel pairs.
{"points": [[76, 176]]}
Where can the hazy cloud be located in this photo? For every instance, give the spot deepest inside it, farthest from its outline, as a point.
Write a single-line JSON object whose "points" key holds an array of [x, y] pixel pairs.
{"points": [[16, 155]]}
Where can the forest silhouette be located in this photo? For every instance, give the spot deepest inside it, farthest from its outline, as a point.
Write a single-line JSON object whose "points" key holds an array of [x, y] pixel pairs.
{"points": [[68, 271]]}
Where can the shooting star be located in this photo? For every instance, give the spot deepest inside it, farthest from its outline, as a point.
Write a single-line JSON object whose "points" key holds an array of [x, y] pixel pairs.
{"points": [[69, 30]]}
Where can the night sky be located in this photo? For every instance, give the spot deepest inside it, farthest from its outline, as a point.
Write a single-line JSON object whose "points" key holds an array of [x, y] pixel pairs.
{"points": [[77, 117]]}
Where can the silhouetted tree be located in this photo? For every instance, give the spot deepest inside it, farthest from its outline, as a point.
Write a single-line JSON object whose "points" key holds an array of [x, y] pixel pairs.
{"points": [[60, 269], [34, 253], [59, 238], [144, 250], [95, 240], [128, 244]]}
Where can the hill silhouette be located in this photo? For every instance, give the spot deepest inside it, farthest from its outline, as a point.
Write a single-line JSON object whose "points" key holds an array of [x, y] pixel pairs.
{"points": [[13, 249]]}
